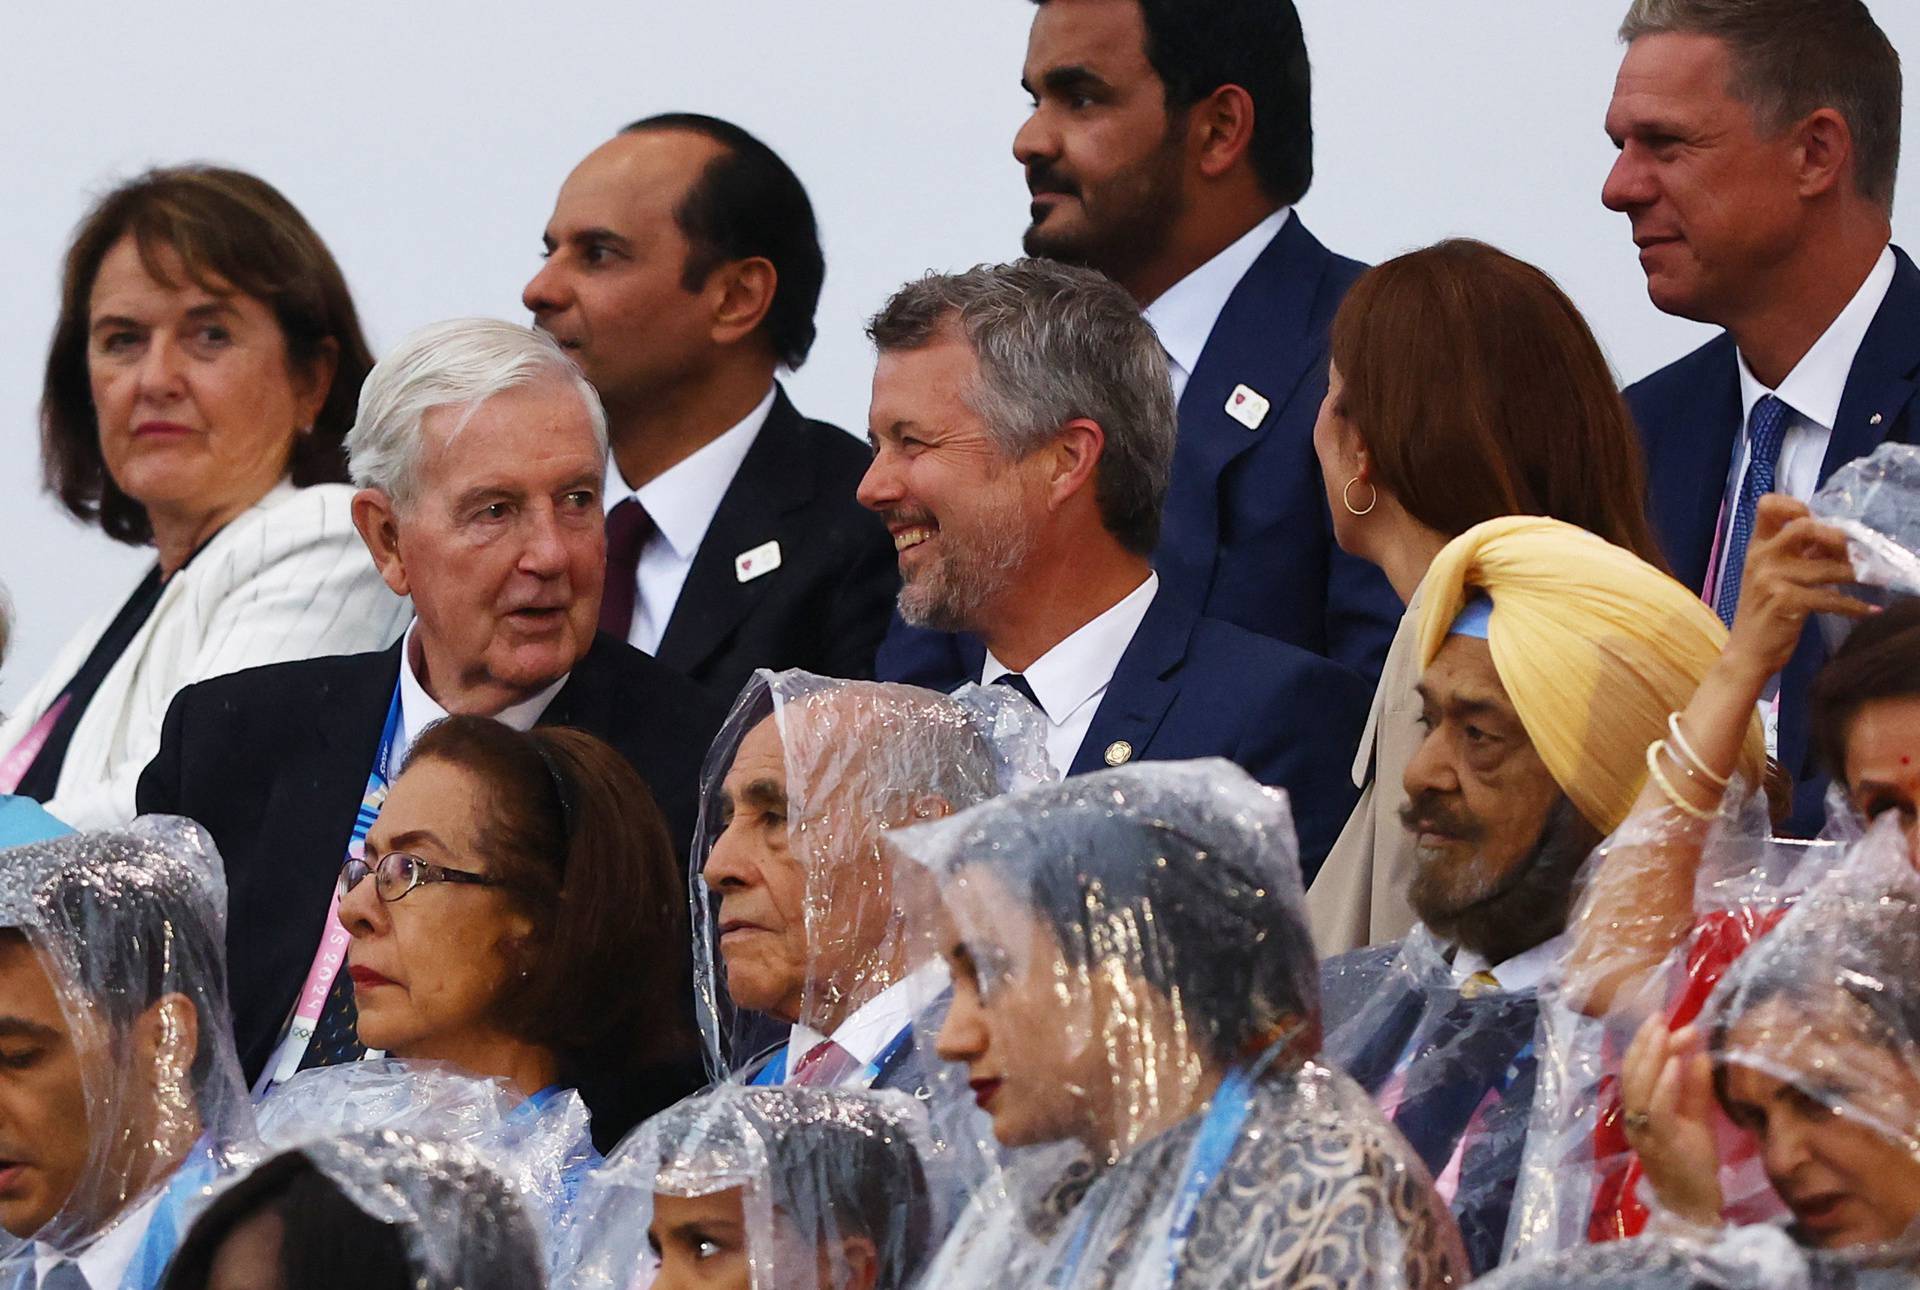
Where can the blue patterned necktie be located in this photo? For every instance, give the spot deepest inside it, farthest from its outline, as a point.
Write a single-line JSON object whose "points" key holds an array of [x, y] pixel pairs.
{"points": [[1766, 432]]}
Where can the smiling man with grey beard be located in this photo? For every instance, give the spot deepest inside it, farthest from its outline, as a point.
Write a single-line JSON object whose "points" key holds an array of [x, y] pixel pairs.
{"points": [[1552, 659], [1023, 435]]}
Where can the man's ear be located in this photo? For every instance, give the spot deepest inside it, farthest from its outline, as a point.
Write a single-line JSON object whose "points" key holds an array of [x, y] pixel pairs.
{"points": [[1220, 128], [746, 295], [378, 521], [1826, 152], [1074, 458], [165, 1038]]}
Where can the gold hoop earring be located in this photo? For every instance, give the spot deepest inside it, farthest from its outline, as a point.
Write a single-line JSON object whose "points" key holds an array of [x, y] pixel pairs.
{"points": [[1346, 495]]}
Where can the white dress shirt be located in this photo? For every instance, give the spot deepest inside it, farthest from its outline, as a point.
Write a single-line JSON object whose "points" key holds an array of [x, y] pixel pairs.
{"points": [[418, 709], [1070, 679], [873, 1025], [1184, 315], [1812, 393], [682, 501], [106, 1261]]}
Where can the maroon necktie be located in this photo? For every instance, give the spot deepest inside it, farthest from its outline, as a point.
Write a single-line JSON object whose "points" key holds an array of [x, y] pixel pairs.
{"points": [[628, 528], [824, 1065]]}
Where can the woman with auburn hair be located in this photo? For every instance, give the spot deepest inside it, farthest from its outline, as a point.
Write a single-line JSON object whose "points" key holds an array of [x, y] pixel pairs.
{"points": [[204, 371], [1463, 386]]}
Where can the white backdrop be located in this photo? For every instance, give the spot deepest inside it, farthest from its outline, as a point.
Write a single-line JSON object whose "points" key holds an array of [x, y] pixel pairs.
{"points": [[425, 141]]}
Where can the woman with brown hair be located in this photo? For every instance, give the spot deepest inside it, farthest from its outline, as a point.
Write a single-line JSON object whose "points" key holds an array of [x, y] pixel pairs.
{"points": [[519, 916], [1463, 385], [204, 370]]}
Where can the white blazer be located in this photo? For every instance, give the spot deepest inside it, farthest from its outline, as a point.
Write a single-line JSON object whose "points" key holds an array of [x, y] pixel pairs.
{"points": [[288, 579]]}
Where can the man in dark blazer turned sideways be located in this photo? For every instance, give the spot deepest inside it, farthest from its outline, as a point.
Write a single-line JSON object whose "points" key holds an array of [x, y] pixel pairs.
{"points": [[1168, 143], [1023, 428], [683, 267], [1758, 148], [480, 452]]}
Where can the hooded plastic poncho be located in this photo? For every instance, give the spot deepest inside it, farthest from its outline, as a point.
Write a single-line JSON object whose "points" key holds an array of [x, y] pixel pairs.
{"points": [[462, 1225], [129, 927], [1581, 1180], [830, 1183], [1747, 1258], [1148, 988], [542, 1145], [1824, 1009], [855, 759]]}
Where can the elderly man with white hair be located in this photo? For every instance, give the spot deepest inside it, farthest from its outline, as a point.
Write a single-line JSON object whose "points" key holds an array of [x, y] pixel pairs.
{"points": [[479, 452]]}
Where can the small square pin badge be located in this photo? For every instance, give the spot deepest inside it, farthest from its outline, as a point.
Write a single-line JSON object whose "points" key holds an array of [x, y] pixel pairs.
{"points": [[1247, 406], [762, 560]]}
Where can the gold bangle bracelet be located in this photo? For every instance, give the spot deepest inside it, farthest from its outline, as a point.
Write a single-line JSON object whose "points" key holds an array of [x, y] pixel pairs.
{"points": [[1689, 760], [1667, 790]]}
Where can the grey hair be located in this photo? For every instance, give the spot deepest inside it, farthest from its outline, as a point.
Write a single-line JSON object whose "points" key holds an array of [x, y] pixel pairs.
{"points": [[1793, 57], [459, 363], [1055, 342]]}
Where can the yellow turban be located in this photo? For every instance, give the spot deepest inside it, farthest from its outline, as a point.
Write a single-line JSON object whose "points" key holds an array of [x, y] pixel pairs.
{"points": [[1593, 644]]}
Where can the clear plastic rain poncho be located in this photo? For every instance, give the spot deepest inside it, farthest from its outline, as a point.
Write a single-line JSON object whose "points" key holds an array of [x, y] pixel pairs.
{"points": [[542, 1145], [851, 760], [1452, 1064], [1742, 1258], [800, 1187], [1875, 501], [463, 1227], [1581, 1180], [1137, 978], [129, 929], [1814, 1039]]}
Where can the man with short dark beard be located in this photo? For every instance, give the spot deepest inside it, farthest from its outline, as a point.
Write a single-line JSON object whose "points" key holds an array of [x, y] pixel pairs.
{"points": [[1552, 659], [1023, 430]]}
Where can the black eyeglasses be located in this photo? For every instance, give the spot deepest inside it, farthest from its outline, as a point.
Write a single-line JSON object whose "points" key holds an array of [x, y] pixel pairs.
{"points": [[397, 873]]}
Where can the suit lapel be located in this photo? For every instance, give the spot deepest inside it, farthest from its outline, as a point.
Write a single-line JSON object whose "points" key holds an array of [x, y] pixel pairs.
{"points": [[1881, 384], [1687, 466], [1141, 690], [773, 479], [1262, 339]]}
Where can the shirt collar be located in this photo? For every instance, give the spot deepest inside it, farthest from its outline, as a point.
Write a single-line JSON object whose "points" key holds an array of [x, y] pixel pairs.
{"points": [[1080, 666], [1520, 974], [867, 1032], [105, 1262], [1184, 315], [1818, 381], [418, 709], [682, 499]]}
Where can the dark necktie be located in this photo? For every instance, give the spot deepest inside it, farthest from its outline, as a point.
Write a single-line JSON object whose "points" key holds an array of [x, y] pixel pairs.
{"points": [[1766, 432], [628, 528], [1018, 684]]}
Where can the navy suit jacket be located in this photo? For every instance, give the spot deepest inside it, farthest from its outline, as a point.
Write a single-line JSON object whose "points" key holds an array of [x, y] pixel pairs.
{"points": [[827, 605], [1246, 536], [1189, 686], [1690, 422]]}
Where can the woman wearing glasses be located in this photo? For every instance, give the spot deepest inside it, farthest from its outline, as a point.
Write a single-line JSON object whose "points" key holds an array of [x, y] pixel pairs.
{"points": [[518, 919]]}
